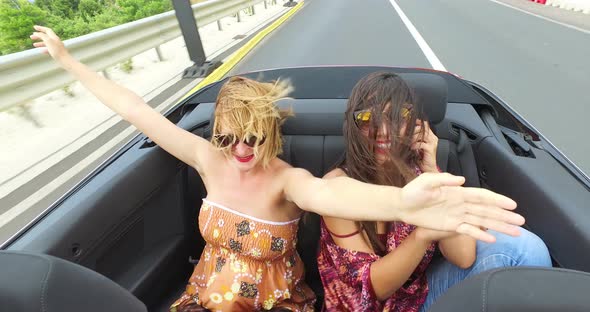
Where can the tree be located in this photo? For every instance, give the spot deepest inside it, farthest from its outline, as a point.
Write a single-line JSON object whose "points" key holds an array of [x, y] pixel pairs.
{"points": [[70, 28], [68, 18], [17, 18], [137, 9], [62, 8], [89, 9], [110, 16]]}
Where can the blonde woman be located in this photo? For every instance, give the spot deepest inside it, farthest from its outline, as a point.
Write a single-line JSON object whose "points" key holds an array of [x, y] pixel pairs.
{"points": [[254, 199]]}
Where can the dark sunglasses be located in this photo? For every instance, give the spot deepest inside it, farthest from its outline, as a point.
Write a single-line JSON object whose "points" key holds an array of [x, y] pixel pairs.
{"points": [[226, 140], [362, 118]]}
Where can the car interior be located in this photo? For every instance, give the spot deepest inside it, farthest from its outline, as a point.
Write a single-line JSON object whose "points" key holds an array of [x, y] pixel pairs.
{"points": [[134, 219]]}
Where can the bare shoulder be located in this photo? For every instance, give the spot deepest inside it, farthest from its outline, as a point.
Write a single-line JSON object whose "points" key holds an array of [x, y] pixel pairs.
{"points": [[282, 169], [286, 175], [341, 226], [334, 173], [291, 173], [280, 165]]}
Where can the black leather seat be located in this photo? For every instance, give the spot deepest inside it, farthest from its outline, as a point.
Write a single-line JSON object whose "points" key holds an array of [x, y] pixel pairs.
{"points": [[519, 289], [313, 140], [36, 282]]}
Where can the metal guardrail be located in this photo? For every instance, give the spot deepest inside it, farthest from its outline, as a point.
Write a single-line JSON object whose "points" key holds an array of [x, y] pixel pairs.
{"points": [[29, 74]]}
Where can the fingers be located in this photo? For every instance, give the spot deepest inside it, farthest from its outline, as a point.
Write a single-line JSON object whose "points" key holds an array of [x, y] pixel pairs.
{"points": [[428, 136], [438, 180], [487, 197], [422, 123], [45, 30], [417, 136], [476, 233], [43, 34], [416, 146], [39, 36], [492, 224], [41, 28], [491, 214]]}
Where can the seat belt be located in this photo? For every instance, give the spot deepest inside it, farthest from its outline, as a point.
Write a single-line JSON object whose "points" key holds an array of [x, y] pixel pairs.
{"points": [[467, 160]]}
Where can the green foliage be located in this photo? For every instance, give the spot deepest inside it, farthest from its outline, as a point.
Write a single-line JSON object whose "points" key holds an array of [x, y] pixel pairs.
{"points": [[110, 16], [17, 18], [88, 9], [69, 28], [68, 18], [68, 91], [138, 9], [127, 66]]}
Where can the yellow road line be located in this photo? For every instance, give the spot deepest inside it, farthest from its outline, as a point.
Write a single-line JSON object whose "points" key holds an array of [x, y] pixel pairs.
{"points": [[218, 73]]}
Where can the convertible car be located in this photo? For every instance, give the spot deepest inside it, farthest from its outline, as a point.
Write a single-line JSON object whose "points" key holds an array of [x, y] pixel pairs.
{"points": [[126, 237]]}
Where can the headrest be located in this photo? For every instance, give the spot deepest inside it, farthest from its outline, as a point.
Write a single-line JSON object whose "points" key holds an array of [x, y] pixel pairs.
{"points": [[431, 93], [325, 116], [520, 289], [36, 282]]}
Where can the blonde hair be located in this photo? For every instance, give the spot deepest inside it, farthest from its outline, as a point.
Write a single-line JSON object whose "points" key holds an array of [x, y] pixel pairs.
{"points": [[248, 108]]}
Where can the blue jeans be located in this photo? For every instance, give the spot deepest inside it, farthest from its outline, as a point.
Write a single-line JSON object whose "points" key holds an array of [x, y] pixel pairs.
{"points": [[525, 250]]}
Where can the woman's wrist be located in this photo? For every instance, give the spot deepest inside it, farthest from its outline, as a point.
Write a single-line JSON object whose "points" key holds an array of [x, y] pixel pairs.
{"points": [[398, 207], [65, 60], [420, 236]]}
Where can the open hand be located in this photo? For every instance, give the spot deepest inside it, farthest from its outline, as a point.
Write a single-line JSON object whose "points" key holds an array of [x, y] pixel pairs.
{"points": [[437, 201], [50, 41]]}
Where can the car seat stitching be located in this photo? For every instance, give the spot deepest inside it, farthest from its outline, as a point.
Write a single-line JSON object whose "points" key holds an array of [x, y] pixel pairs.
{"points": [[43, 288]]}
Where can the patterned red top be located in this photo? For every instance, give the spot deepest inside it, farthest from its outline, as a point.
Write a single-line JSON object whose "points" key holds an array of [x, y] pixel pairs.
{"points": [[347, 282]]}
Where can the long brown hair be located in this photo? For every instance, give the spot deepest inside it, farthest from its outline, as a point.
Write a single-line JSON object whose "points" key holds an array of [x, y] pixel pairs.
{"points": [[384, 94]]}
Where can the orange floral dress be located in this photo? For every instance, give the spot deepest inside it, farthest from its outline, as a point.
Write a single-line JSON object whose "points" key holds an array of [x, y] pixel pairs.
{"points": [[247, 264]]}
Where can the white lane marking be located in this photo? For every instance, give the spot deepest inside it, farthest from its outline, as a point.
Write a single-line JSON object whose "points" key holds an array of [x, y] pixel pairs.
{"points": [[432, 59], [543, 17]]}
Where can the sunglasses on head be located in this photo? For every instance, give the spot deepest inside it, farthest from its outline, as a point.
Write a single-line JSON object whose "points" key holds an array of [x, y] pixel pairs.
{"points": [[362, 118], [226, 140]]}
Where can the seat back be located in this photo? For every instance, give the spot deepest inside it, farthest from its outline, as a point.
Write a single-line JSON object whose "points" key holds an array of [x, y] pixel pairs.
{"points": [[37, 282], [313, 140], [523, 289]]}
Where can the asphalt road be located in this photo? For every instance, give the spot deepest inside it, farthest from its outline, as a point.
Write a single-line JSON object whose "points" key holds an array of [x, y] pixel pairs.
{"points": [[540, 68]]}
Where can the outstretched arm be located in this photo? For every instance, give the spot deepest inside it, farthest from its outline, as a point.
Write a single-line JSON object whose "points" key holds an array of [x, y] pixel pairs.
{"points": [[342, 197], [184, 145], [432, 200]]}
